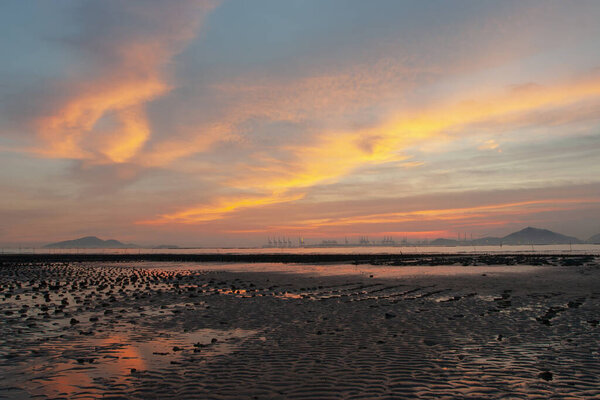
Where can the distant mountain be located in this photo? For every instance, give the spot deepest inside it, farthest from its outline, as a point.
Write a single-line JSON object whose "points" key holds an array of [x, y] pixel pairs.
{"points": [[594, 239], [531, 235], [528, 235], [90, 242]]}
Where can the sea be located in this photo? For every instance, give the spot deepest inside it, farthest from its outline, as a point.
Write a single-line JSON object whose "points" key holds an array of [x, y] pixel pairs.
{"points": [[593, 249]]}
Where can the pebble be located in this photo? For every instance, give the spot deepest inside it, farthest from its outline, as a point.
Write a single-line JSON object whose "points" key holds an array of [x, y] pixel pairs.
{"points": [[545, 375]]}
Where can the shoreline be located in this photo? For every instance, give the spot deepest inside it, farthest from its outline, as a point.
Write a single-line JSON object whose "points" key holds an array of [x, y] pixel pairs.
{"points": [[311, 258]]}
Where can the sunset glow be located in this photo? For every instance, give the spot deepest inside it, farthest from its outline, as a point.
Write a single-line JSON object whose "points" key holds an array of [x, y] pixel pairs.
{"points": [[211, 123]]}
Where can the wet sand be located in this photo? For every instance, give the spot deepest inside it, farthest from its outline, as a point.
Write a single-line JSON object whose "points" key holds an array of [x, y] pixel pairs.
{"points": [[461, 329]]}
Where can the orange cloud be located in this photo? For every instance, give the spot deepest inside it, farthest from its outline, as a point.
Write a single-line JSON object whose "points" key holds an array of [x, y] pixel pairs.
{"points": [[220, 208], [165, 152], [133, 74], [336, 154], [322, 98], [450, 214], [489, 145]]}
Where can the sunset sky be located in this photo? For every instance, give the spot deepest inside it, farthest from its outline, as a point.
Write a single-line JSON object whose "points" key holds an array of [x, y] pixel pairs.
{"points": [[213, 123]]}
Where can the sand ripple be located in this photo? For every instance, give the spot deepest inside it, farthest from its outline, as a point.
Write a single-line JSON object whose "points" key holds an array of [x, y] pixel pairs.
{"points": [[90, 330]]}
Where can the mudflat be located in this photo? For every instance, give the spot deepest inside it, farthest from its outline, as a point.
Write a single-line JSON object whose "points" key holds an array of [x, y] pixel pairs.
{"points": [[462, 329]]}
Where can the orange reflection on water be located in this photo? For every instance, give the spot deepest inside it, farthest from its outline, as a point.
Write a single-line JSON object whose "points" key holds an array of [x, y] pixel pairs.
{"points": [[129, 356]]}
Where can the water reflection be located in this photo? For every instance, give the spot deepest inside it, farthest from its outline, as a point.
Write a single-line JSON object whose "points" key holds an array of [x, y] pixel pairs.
{"points": [[375, 271], [88, 366]]}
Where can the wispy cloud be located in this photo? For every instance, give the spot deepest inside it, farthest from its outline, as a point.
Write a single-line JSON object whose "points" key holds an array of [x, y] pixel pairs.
{"points": [[194, 117], [102, 117], [463, 214], [335, 154]]}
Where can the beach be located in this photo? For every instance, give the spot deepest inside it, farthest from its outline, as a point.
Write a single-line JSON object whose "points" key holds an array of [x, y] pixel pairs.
{"points": [[431, 327]]}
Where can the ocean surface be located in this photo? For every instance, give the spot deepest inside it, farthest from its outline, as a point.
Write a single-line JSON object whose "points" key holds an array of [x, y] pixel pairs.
{"points": [[538, 249]]}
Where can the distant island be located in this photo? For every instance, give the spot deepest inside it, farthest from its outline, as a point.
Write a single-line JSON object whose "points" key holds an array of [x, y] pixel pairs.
{"points": [[525, 236], [90, 242], [594, 239]]}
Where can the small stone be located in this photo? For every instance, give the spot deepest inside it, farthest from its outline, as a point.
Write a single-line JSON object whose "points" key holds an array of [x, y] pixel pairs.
{"points": [[545, 375]]}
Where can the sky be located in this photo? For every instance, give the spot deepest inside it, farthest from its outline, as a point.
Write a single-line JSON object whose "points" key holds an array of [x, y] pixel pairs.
{"points": [[224, 123]]}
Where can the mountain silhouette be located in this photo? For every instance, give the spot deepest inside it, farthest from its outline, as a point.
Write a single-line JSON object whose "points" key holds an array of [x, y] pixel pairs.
{"points": [[594, 239], [90, 242], [528, 235], [531, 235]]}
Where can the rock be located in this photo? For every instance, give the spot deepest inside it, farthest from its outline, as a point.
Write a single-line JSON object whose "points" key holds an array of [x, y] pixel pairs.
{"points": [[543, 320], [545, 375], [176, 348], [390, 315], [74, 321]]}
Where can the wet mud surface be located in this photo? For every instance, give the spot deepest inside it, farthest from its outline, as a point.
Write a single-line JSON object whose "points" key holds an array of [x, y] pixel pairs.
{"points": [[93, 329]]}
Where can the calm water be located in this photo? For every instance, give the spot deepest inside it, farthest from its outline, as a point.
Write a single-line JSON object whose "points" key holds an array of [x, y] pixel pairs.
{"points": [[342, 269], [543, 249]]}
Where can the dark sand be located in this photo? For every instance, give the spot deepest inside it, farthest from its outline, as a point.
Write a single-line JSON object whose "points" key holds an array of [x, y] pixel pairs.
{"points": [[93, 329]]}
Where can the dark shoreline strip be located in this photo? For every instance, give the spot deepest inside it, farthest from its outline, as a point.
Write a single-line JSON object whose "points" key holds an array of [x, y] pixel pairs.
{"points": [[384, 259]]}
